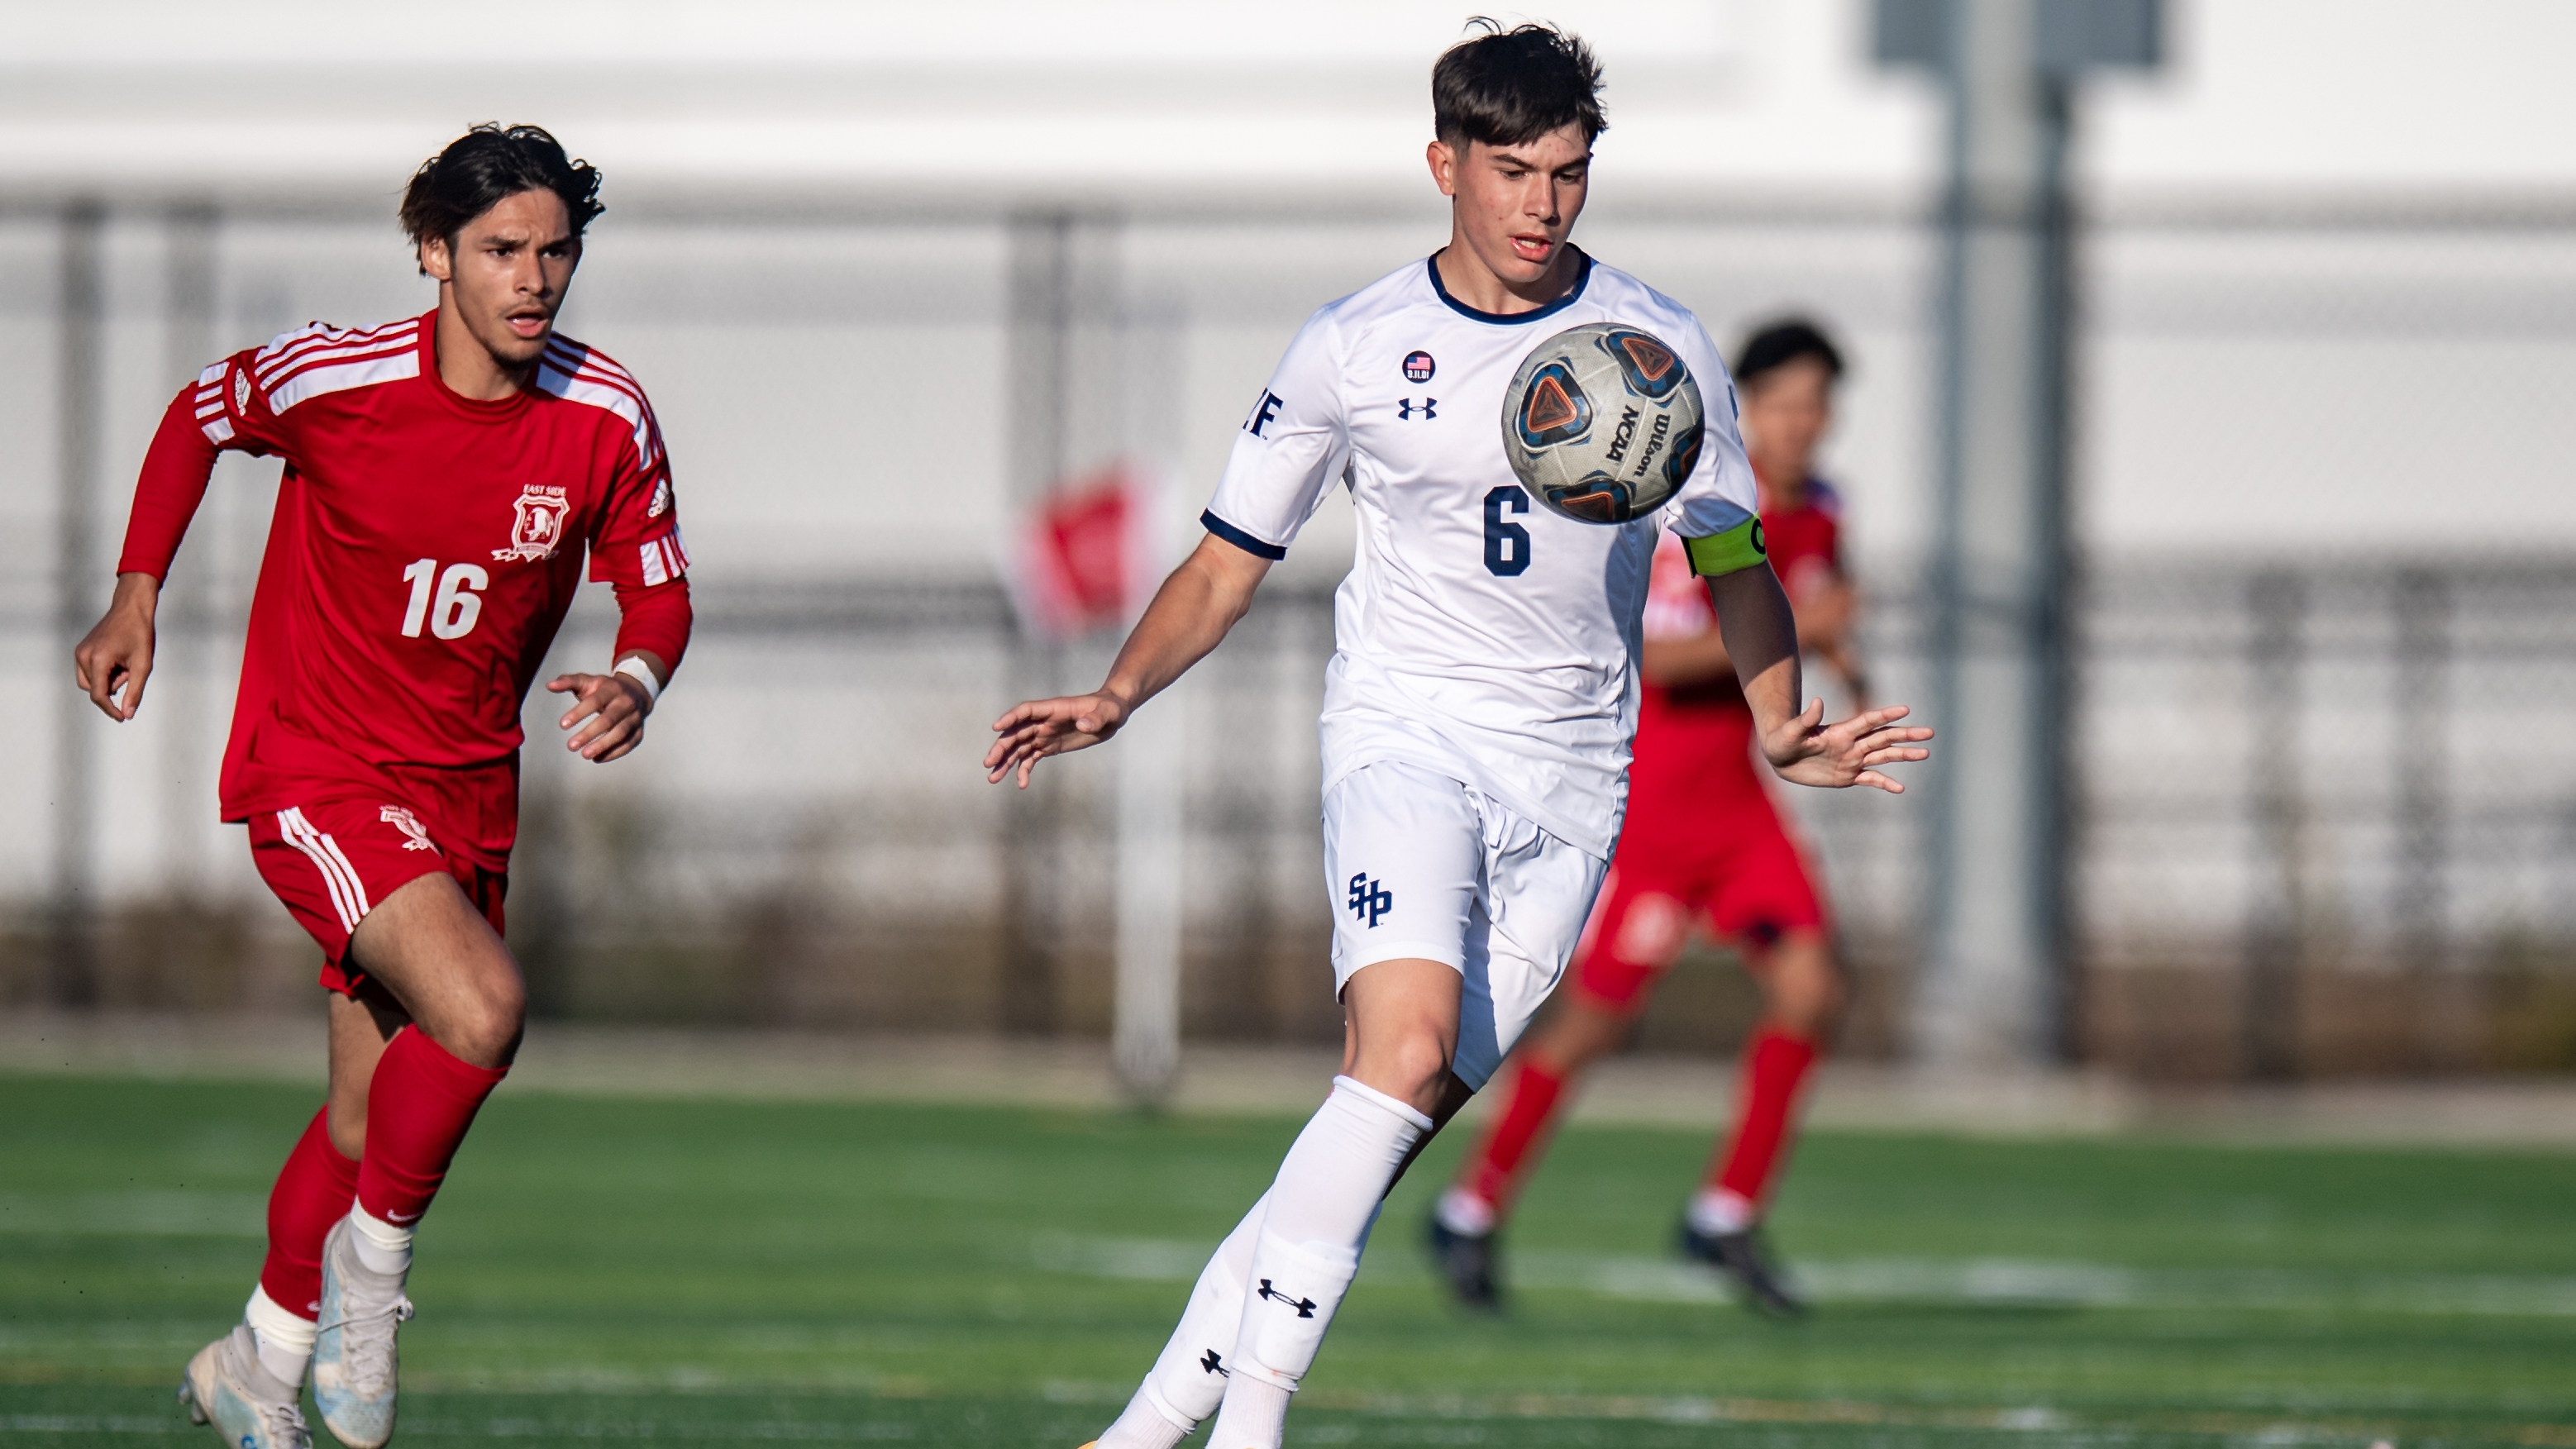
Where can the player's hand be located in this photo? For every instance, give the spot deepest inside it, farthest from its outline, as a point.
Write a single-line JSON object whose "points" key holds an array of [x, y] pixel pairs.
{"points": [[615, 706], [1044, 727], [1807, 751], [117, 651]]}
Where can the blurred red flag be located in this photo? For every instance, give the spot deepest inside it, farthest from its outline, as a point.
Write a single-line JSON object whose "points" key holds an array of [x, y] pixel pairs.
{"points": [[1081, 560]]}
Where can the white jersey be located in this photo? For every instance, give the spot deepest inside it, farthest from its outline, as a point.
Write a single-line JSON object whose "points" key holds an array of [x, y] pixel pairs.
{"points": [[1477, 633]]}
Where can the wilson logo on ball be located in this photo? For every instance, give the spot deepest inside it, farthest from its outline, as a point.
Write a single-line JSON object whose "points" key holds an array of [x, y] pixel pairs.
{"points": [[1418, 367]]}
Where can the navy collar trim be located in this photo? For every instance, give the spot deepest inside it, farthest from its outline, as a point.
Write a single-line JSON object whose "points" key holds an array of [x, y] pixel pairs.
{"points": [[1574, 294]]}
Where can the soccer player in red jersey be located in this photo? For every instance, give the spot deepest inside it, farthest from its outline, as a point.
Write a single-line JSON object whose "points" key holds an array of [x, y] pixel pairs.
{"points": [[446, 475], [1702, 845]]}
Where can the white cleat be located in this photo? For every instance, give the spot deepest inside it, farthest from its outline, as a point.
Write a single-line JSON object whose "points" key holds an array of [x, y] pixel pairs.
{"points": [[228, 1387], [353, 1348]]}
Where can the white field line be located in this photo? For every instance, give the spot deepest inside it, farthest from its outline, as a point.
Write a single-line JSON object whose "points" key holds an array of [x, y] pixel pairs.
{"points": [[136, 1214], [1989, 1281]]}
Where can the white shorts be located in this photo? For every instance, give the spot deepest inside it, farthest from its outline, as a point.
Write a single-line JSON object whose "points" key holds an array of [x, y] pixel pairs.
{"points": [[1421, 865]]}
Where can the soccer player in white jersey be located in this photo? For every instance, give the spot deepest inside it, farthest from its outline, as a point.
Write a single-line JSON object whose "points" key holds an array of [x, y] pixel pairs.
{"points": [[1478, 708]]}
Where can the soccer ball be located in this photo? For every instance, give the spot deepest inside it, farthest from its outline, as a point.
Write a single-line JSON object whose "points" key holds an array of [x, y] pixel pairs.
{"points": [[1602, 422]]}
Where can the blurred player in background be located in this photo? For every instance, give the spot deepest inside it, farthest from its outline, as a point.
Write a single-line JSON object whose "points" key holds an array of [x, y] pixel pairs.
{"points": [[1704, 846], [1479, 703], [446, 476]]}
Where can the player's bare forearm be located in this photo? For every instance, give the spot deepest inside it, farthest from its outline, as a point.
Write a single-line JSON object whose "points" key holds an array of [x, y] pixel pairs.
{"points": [[610, 708], [117, 651], [1761, 635], [1190, 615], [1802, 748]]}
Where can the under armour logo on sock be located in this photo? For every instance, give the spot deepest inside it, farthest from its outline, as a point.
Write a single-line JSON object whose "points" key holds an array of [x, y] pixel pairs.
{"points": [[1215, 1365], [1305, 1306], [1370, 898]]}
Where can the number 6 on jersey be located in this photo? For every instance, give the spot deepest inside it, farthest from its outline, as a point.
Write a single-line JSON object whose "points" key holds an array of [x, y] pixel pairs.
{"points": [[1507, 545], [451, 612]]}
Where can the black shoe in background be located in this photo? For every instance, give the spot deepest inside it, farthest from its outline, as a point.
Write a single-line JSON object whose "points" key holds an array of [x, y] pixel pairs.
{"points": [[1743, 1257], [1467, 1264]]}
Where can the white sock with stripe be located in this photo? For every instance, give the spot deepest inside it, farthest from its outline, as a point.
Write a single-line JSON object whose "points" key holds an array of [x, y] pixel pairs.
{"points": [[1321, 1208], [1188, 1381], [382, 1247], [285, 1339]]}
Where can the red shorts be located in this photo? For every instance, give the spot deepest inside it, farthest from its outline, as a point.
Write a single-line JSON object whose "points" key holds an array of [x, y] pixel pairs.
{"points": [[333, 860], [1736, 871]]}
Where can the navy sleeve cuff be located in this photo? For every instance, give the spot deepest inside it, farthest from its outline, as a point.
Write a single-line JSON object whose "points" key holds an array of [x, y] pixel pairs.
{"points": [[1242, 540]]}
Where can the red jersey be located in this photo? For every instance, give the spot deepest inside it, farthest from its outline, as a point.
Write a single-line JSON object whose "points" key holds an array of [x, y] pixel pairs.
{"points": [[1694, 741], [424, 550]]}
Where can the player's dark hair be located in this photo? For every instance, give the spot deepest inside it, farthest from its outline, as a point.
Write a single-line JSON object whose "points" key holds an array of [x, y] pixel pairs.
{"points": [[1775, 345], [485, 167], [1510, 87]]}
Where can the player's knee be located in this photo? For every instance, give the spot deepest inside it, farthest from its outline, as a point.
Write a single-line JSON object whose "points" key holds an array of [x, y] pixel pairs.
{"points": [[1806, 983], [1410, 1065], [347, 1125], [1420, 1062], [491, 1019]]}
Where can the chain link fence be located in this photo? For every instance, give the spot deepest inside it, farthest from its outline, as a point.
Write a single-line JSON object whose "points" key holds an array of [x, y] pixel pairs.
{"points": [[2318, 831]]}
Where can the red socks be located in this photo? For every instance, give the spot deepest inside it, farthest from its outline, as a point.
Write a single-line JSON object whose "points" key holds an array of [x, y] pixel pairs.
{"points": [[313, 1192], [419, 1104], [1495, 1173], [1775, 1065]]}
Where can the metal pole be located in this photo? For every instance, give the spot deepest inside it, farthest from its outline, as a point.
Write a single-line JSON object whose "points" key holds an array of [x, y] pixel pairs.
{"points": [[1040, 364], [1135, 350], [2279, 604], [1145, 1036], [181, 669], [1993, 991], [2422, 602], [74, 966]]}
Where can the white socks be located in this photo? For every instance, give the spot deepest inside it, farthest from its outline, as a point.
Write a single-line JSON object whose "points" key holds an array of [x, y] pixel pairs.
{"points": [[1261, 1306], [382, 1248], [1189, 1379], [1143, 1425], [285, 1339], [1714, 1210], [1464, 1213], [1321, 1207]]}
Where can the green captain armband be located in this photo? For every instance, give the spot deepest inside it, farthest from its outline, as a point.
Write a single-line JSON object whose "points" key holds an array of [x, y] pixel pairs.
{"points": [[1739, 547]]}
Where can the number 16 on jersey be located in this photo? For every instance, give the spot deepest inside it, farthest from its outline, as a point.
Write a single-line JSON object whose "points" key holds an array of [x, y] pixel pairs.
{"points": [[448, 603]]}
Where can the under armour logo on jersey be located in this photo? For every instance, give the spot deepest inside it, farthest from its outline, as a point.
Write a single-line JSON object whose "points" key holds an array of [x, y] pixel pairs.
{"points": [[1215, 1365], [1305, 1306], [1404, 409], [1370, 898], [1262, 413]]}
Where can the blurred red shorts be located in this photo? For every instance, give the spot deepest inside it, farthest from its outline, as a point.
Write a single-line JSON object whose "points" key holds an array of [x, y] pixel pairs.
{"points": [[1736, 872]]}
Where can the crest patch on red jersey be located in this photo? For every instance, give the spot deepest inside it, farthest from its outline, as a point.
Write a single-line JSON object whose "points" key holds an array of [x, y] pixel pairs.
{"points": [[536, 525]]}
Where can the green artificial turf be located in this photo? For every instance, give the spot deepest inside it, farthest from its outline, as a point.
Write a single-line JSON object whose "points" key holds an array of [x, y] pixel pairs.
{"points": [[712, 1272]]}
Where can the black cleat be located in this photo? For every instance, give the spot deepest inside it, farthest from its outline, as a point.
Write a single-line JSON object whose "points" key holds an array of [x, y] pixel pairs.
{"points": [[1742, 1257], [1467, 1264]]}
